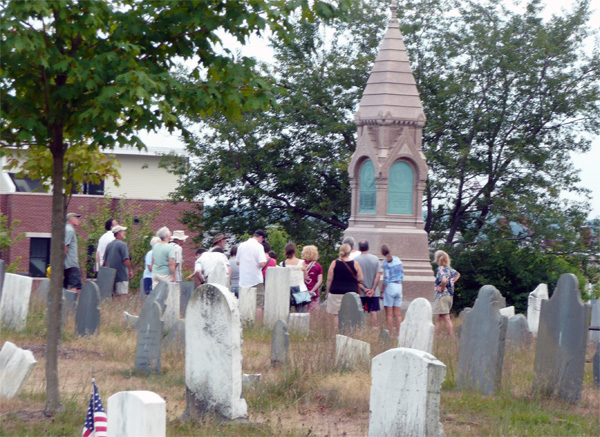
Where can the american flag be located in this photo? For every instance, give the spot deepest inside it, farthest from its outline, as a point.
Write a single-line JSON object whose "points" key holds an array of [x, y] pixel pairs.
{"points": [[95, 421]]}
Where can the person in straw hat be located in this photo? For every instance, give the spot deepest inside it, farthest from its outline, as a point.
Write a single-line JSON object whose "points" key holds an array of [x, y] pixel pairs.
{"points": [[177, 241]]}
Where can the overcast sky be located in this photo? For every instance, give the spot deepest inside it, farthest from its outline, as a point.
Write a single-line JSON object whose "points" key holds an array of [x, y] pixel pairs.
{"points": [[588, 163]]}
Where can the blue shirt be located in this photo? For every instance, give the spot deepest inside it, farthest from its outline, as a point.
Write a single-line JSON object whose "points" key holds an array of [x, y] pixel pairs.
{"points": [[393, 272]]}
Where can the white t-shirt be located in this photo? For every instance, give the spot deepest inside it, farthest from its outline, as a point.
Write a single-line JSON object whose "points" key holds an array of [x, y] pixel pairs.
{"points": [[106, 238], [178, 260], [214, 264], [354, 254], [249, 256]]}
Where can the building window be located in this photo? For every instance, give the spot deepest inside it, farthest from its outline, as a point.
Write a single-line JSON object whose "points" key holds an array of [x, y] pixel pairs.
{"points": [[39, 257], [368, 191], [24, 184], [89, 188], [400, 188]]}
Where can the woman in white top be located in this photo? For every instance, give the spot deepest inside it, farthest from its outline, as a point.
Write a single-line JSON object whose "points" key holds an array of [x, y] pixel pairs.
{"points": [[297, 275]]}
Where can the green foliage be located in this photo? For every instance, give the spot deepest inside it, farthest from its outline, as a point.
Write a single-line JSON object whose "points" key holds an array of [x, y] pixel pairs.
{"points": [[8, 239]]}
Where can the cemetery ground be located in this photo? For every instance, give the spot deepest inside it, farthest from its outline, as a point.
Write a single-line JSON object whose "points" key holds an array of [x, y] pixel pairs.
{"points": [[308, 396]]}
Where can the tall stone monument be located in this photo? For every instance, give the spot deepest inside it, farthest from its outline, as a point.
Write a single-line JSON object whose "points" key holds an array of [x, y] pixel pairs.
{"points": [[388, 168]]}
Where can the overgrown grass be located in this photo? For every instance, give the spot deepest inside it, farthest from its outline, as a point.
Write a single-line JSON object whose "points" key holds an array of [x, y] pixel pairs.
{"points": [[309, 395]]}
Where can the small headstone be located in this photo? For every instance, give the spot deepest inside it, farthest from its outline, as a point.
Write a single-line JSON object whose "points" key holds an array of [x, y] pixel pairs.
{"points": [[517, 332], [106, 282], [508, 311], [406, 405], [175, 338], [534, 307], [87, 318], [14, 305], [277, 295], [502, 301], [129, 320], [149, 339], [384, 337], [69, 300], [351, 353], [482, 342], [247, 304], [213, 354], [250, 381], [136, 413], [596, 365], [351, 316], [16, 365], [280, 343], [171, 312], [2, 273], [300, 323], [562, 339], [416, 330], [159, 295], [43, 290], [186, 289], [464, 312], [595, 335]]}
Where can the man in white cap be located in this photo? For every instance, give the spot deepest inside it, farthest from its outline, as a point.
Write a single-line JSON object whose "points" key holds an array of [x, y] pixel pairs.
{"points": [[72, 278], [177, 240], [117, 257], [104, 240]]}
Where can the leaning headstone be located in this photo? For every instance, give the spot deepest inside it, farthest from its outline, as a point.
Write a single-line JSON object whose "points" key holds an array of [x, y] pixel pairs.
{"points": [[87, 317], [149, 340], [14, 305], [517, 332], [482, 342], [186, 289], [16, 365], [247, 303], [277, 295], [408, 405], [159, 295], [69, 300], [534, 307], [300, 323], [351, 316], [213, 354], [171, 312], [351, 353], [562, 339], [595, 335], [136, 413], [43, 290], [596, 365], [508, 311], [2, 273], [106, 282], [416, 330], [280, 343]]}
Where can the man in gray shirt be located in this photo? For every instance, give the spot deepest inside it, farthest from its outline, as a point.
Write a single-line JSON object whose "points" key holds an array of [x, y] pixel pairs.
{"points": [[369, 291], [117, 257], [72, 278]]}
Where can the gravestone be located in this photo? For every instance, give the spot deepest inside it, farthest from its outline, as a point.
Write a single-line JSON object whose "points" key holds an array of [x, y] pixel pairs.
{"points": [[186, 289], [2, 273], [14, 305], [502, 301], [596, 365], [508, 311], [247, 305], [280, 343], [482, 342], [595, 335], [106, 282], [562, 339], [351, 353], [129, 320], [159, 295], [136, 413], [517, 332], [171, 312], [213, 355], [351, 316], [534, 307], [43, 290], [300, 323], [250, 381], [277, 295], [16, 365], [416, 330], [69, 300], [408, 405], [384, 337], [464, 312], [149, 339], [87, 317], [175, 338]]}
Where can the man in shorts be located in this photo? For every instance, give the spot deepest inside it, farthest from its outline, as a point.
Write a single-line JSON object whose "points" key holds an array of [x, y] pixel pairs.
{"points": [[117, 257], [369, 291], [251, 258], [72, 278]]}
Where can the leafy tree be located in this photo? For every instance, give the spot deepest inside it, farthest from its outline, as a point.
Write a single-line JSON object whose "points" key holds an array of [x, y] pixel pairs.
{"points": [[80, 75]]}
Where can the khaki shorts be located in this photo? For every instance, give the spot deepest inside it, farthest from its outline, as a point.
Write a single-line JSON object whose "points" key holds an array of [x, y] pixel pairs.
{"points": [[443, 305], [121, 288], [157, 277], [334, 302], [260, 295]]}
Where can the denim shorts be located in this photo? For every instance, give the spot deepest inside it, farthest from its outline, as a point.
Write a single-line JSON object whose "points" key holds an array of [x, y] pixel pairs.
{"points": [[392, 297]]}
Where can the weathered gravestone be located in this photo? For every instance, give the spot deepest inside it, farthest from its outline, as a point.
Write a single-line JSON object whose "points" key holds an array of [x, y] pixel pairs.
{"points": [[106, 282], [464, 312], [159, 295], [213, 354], [171, 312], [517, 332], [534, 307], [247, 305], [562, 338], [129, 320], [385, 338], [405, 394], [351, 353], [595, 335], [277, 295], [416, 330], [2, 273], [14, 305], [16, 365], [280, 343], [149, 339], [43, 290], [508, 311], [186, 289], [300, 323], [482, 342], [351, 316], [596, 365], [250, 380], [175, 338], [136, 413], [87, 317], [69, 301]]}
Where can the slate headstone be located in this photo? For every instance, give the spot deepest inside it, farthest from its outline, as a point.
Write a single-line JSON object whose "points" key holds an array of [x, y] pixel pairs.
{"points": [[384, 337], [502, 301], [247, 304], [351, 316], [87, 318], [16, 365], [280, 343], [416, 330], [159, 295], [277, 295], [69, 300], [2, 273], [171, 312], [149, 339], [534, 307], [517, 332], [186, 289], [213, 355], [106, 282], [175, 338], [482, 343], [408, 405], [136, 413], [596, 365], [43, 290], [351, 353], [562, 339], [595, 335], [14, 304], [464, 312]]}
